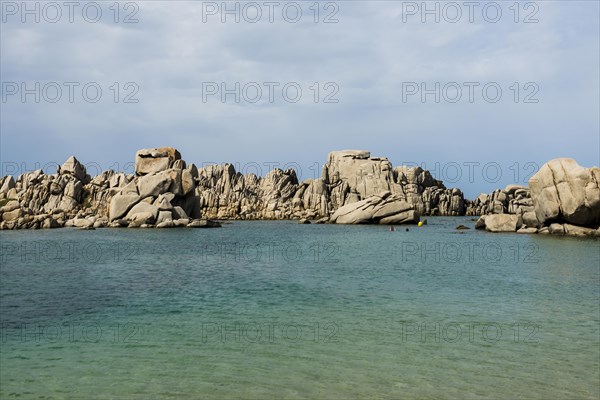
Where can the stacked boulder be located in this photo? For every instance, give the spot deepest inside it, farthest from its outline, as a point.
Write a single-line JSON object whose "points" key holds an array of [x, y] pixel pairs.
{"points": [[505, 210], [165, 191], [36, 200], [353, 175], [562, 198], [162, 194], [348, 177]]}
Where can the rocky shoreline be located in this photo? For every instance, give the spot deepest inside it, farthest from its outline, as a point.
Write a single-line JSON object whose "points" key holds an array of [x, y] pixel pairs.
{"points": [[355, 188]]}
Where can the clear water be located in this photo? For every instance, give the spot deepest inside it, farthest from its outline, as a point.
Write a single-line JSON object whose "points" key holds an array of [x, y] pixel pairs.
{"points": [[282, 310]]}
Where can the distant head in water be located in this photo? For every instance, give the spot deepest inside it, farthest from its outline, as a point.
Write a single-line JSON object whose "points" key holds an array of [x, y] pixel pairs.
{"points": [[406, 229]]}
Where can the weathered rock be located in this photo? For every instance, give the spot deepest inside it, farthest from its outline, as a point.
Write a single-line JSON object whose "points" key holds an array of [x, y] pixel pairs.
{"points": [[82, 223], [564, 191], [382, 208], [154, 184], [130, 188], [148, 161], [176, 186], [187, 182], [304, 221], [74, 167], [143, 212], [163, 203], [10, 206], [121, 204], [362, 174], [501, 223], [12, 215], [178, 164], [404, 217]]}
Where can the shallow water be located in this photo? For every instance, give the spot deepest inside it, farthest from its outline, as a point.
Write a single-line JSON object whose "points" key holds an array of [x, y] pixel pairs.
{"points": [[283, 310]]}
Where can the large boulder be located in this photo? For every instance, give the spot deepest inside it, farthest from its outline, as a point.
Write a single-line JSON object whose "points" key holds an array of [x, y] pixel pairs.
{"points": [[564, 191], [154, 184], [501, 223], [10, 206], [12, 215], [187, 182], [149, 161], [120, 204], [383, 208], [143, 212], [362, 174]]}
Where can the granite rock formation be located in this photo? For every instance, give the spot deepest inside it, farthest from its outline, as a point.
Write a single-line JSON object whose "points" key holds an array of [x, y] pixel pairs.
{"points": [[562, 198], [564, 191], [166, 191]]}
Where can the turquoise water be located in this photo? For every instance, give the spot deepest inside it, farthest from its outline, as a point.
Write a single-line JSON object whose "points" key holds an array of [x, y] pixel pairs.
{"points": [[283, 310]]}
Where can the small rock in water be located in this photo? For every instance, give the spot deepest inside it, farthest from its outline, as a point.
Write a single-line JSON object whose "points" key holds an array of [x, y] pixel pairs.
{"points": [[304, 221], [527, 230], [460, 227], [203, 223]]}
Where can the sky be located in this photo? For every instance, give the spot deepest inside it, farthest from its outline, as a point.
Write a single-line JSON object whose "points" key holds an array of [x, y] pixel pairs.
{"points": [[482, 94]]}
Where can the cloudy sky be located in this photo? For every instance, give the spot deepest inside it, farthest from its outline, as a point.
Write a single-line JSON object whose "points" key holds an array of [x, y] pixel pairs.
{"points": [[480, 94]]}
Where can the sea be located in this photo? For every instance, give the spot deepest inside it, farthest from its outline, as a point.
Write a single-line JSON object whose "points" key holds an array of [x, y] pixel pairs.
{"points": [[281, 310]]}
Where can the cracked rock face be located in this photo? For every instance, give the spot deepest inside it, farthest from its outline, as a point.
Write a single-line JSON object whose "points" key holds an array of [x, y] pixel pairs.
{"points": [[564, 191]]}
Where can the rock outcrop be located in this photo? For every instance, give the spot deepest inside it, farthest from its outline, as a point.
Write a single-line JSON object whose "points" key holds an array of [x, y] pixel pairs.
{"points": [[165, 191], [70, 198], [564, 191], [563, 198], [353, 175]]}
